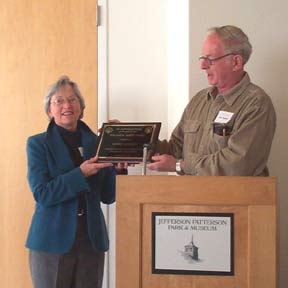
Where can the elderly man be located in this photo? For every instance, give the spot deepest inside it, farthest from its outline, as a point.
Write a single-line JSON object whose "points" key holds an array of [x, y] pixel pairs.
{"points": [[226, 129]]}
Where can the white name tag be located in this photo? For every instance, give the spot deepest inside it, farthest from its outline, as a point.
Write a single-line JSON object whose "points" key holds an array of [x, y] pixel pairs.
{"points": [[223, 117]]}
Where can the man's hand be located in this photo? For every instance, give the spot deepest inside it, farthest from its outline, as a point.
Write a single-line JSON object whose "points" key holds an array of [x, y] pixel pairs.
{"points": [[163, 163], [91, 166]]}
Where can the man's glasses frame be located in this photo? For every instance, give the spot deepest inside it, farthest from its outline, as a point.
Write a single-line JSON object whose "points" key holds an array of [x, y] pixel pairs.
{"points": [[210, 61]]}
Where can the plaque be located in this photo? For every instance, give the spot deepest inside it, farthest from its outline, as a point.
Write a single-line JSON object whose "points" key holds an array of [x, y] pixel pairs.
{"points": [[124, 142]]}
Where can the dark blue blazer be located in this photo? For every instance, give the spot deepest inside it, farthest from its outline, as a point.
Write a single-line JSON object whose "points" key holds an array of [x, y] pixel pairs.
{"points": [[56, 184]]}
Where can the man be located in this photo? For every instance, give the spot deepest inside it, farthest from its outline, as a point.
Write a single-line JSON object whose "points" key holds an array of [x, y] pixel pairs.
{"points": [[226, 129]]}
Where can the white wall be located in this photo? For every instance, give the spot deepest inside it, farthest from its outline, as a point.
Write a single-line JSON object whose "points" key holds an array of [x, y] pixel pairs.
{"points": [[139, 61], [137, 74]]}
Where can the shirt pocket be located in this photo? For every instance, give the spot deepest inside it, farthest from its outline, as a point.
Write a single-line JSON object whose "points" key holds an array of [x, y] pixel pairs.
{"points": [[220, 141], [192, 135]]}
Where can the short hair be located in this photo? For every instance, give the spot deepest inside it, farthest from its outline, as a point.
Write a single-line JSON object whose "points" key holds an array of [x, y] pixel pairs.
{"points": [[63, 81], [234, 40]]}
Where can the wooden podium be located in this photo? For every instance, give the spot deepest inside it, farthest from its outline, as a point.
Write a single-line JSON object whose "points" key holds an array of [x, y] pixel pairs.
{"points": [[162, 213]]}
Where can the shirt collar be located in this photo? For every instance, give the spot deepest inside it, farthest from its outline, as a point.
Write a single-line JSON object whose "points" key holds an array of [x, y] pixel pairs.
{"points": [[231, 96]]}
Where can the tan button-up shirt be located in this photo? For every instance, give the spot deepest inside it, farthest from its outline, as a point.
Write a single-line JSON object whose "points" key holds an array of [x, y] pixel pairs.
{"points": [[241, 148]]}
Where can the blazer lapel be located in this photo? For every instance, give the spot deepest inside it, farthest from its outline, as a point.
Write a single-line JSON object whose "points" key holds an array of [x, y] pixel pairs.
{"points": [[58, 148], [89, 141], [89, 147]]}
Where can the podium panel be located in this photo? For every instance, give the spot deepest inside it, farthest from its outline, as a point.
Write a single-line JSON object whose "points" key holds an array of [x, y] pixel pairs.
{"points": [[195, 232]]}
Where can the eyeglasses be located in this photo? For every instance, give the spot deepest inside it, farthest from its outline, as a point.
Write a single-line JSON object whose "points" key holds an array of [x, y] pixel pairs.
{"points": [[61, 101], [210, 61]]}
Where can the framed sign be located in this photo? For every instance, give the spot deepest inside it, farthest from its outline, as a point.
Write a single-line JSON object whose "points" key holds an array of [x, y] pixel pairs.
{"points": [[193, 243]]}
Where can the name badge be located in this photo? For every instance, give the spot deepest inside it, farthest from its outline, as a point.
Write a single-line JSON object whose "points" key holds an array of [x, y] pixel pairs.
{"points": [[223, 117]]}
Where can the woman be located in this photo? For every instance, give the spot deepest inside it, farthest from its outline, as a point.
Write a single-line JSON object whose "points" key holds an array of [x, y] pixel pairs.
{"points": [[68, 236]]}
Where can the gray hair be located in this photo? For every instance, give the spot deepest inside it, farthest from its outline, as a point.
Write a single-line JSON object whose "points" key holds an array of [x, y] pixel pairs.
{"points": [[234, 40], [63, 81]]}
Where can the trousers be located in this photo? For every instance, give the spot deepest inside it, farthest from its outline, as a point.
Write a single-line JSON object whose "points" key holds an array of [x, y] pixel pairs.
{"points": [[81, 267]]}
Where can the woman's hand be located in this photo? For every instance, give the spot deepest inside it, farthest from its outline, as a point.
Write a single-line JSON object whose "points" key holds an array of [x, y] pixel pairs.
{"points": [[91, 166]]}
